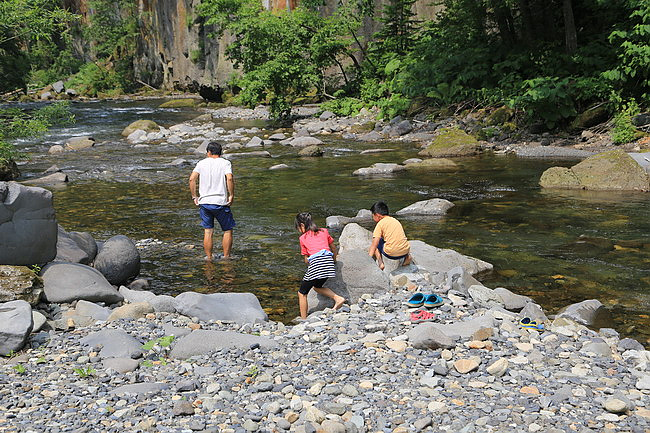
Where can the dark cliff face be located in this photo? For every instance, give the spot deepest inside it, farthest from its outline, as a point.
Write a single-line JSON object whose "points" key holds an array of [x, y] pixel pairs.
{"points": [[175, 50]]}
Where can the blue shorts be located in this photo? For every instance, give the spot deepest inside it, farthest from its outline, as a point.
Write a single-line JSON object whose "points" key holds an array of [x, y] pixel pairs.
{"points": [[380, 247], [223, 214]]}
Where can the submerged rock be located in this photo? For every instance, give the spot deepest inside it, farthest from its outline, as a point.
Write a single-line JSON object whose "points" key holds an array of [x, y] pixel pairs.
{"points": [[432, 164], [379, 168], [145, 125]]}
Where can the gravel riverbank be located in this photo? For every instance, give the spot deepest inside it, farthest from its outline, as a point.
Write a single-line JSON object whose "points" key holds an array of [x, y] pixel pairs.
{"points": [[363, 368]]}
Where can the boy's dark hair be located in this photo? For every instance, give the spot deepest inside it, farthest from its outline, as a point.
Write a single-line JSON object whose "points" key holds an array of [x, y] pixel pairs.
{"points": [[214, 147], [304, 218], [379, 208]]}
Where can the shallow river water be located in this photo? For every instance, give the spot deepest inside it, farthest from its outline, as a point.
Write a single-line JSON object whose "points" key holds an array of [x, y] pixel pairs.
{"points": [[557, 246]]}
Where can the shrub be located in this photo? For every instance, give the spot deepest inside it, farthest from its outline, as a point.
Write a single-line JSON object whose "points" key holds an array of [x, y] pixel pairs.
{"points": [[624, 131]]}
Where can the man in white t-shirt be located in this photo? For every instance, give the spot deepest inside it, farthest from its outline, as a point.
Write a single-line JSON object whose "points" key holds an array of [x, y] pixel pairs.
{"points": [[216, 193]]}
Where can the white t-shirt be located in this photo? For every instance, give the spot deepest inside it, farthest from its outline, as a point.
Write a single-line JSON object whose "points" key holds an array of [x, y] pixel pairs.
{"points": [[212, 180]]}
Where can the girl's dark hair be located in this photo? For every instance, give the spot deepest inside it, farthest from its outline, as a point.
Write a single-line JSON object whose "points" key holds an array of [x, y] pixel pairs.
{"points": [[304, 218]]}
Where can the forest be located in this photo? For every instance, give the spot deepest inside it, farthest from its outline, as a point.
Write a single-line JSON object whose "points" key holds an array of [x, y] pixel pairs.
{"points": [[550, 61]]}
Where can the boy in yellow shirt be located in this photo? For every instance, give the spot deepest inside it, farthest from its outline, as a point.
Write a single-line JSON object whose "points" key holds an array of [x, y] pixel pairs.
{"points": [[388, 238]]}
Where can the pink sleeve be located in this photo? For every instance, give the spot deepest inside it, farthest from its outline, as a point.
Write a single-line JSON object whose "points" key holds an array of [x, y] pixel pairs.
{"points": [[303, 248], [330, 239]]}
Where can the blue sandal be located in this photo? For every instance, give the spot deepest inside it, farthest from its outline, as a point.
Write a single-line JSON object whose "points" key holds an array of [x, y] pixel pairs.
{"points": [[526, 322], [433, 300], [417, 300]]}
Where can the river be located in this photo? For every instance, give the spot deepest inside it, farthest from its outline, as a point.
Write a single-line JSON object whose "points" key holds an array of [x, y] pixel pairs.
{"points": [[558, 247]]}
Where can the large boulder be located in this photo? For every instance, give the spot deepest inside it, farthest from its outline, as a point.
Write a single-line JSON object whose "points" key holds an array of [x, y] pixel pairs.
{"points": [[451, 142], [20, 283], [305, 141], [354, 237], [237, 307], [118, 260], [438, 261], [435, 206], [427, 336], [75, 247], [201, 342], [179, 103], [145, 125], [589, 313], [16, 323], [114, 343], [28, 228], [614, 170], [67, 282], [79, 143]]}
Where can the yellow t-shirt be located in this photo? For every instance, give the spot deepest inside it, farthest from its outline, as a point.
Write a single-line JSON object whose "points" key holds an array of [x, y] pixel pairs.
{"points": [[395, 240]]}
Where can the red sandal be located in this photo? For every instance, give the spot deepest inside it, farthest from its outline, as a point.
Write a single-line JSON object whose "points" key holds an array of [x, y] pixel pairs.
{"points": [[422, 316]]}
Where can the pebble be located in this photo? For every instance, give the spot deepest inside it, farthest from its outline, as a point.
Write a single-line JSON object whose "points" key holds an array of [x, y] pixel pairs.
{"points": [[465, 365]]}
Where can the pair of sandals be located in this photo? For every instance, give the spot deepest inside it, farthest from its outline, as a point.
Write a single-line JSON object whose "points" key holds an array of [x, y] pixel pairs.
{"points": [[428, 301], [528, 323]]}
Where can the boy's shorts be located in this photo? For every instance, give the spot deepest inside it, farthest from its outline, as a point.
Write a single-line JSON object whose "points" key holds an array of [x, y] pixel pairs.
{"points": [[223, 214], [306, 286], [380, 247]]}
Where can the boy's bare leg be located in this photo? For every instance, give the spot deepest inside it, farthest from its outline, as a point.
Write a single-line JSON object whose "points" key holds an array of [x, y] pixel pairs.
{"points": [[338, 300], [407, 260], [207, 244], [380, 261], [226, 243], [302, 301]]}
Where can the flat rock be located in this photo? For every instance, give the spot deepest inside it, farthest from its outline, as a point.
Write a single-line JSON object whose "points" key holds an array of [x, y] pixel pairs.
{"points": [[442, 165], [435, 206], [439, 261], [465, 365], [90, 309], [67, 282], [131, 311], [79, 143], [379, 168], [498, 368], [140, 388], [589, 313], [116, 343], [255, 154], [121, 365], [238, 307], [50, 179], [427, 336], [202, 341], [305, 141]]}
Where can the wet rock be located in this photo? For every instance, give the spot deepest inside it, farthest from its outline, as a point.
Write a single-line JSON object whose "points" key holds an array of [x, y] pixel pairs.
{"points": [[16, 323], [435, 206], [442, 165], [379, 168], [144, 125], [179, 103], [451, 142], [51, 179], [118, 260], [256, 154], [19, 283], [279, 167], [371, 136], [255, 142], [28, 228], [239, 307], [311, 151], [589, 313], [79, 143], [305, 141], [67, 282], [57, 148]]}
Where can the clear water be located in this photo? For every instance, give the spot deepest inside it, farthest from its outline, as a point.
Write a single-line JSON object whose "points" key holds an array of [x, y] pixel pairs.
{"points": [[558, 247]]}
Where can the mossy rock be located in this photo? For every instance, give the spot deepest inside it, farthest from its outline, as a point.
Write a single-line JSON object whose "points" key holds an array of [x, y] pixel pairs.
{"points": [[20, 283], [362, 128], [613, 170], [8, 170], [451, 142], [311, 151], [145, 125], [608, 171], [179, 103], [434, 164], [559, 177], [500, 116], [589, 118]]}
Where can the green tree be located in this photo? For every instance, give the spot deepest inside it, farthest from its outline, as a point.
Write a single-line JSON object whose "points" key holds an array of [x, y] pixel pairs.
{"points": [[399, 29], [23, 23]]}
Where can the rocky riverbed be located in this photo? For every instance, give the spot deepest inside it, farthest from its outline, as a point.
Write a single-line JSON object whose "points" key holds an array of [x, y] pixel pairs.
{"points": [[365, 367]]}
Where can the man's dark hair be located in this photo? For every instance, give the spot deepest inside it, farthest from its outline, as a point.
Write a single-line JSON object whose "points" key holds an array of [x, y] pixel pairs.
{"points": [[214, 147], [379, 208]]}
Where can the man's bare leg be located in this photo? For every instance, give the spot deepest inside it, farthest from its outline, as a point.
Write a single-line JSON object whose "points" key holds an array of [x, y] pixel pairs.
{"points": [[380, 261], [338, 300], [226, 243], [302, 302], [207, 243]]}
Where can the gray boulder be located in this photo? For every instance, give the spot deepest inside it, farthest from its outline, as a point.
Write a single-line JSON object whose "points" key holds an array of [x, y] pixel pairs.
{"points": [[28, 229], [467, 328], [379, 168], [115, 343], [589, 313], [118, 260], [326, 115], [79, 143], [438, 261], [16, 324], [92, 310], [311, 151], [484, 296], [238, 307], [201, 342], [427, 336], [255, 142], [355, 237], [455, 279], [512, 301], [305, 141], [629, 344], [50, 179], [120, 365], [400, 128], [278, 136], [67, 282], [371, 136], [58, 87], [160, 303], [435, 206], [336, 221], [68, 250], [534, 312]]}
